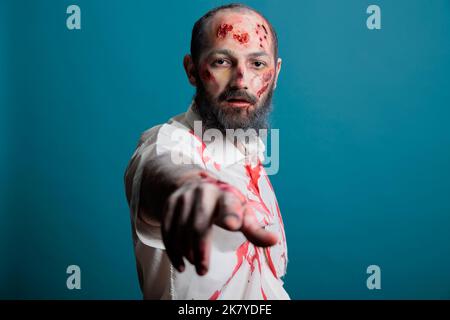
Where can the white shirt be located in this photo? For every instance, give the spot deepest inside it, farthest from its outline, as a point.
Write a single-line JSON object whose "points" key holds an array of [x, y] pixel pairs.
{"points": [[238, 269]]}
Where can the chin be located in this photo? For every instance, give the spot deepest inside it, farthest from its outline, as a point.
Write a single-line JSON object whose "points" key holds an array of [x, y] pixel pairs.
{"points": [[238, 118]]}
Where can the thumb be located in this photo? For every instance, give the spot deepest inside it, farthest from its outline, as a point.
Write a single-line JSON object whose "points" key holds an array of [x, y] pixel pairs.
{"points": [[254, 232], [230, 212]]}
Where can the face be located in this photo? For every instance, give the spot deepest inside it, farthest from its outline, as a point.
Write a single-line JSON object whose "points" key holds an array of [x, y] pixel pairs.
{"points": [[236, 72]]}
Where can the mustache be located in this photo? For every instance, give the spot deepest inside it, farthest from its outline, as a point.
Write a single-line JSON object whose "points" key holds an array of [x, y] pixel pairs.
{"points": [[239, 94]]}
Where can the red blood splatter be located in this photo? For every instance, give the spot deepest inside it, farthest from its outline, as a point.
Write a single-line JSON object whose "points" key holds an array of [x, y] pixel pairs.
{"points": [[271, 265], [260, 37], [261, 207], [262, 90], [223, 30], [200, 149], [217, 166], [254, 175], [257, 258], [224, 186], [266, 78], [242, 38], [276, 204], [251, 262], [215, 295], [265, 30], [263, 294], [241, 252], [279, 216], [207, 76]]}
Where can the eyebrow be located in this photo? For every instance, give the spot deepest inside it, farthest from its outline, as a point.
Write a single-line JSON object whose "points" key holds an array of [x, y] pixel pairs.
{"points": [[231, 53], [258, 54], [221, 51]]}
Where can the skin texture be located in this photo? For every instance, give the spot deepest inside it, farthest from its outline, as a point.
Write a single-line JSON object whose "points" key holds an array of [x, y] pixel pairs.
{"points": [[238, 56]]}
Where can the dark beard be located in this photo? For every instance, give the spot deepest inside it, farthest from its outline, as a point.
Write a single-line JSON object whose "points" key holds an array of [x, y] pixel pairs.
{"points": [[215, 116]]}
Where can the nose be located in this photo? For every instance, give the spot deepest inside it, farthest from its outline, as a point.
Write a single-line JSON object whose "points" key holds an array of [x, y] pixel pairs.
{"points": [[239, 78]]}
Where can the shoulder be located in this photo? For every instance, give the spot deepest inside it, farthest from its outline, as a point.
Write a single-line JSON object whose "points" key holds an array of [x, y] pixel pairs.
{"points": [[173, 136], [152, 134]]}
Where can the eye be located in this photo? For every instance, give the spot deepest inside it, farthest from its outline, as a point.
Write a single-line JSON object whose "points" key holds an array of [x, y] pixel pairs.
{"points": [[259, 64], [221, 62]]}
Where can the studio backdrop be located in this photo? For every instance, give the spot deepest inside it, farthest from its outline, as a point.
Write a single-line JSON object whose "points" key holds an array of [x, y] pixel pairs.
{"points": [[362, 107]]}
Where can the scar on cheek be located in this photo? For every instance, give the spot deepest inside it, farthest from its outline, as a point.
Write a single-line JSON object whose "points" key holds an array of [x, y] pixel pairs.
{"points": [[266, 78], [262, 90], [241, 38], [223, 29], [207, 76]]}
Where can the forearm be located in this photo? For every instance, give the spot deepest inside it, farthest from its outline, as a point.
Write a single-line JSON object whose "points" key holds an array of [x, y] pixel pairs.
{"points": [[160, 179]]}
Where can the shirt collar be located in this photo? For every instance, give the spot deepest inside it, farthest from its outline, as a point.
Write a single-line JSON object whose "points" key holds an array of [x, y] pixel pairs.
{"points": [[251, 151]]}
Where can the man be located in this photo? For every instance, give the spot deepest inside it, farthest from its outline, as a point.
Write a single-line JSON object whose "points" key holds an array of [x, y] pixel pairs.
{"points": [[210, 227]]}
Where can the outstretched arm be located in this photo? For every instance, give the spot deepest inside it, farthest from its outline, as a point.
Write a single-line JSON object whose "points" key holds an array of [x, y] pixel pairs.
{"points": [[187, 200]]}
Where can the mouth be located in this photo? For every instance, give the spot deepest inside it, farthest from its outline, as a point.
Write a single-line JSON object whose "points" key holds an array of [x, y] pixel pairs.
{"points": [[238, 102]]}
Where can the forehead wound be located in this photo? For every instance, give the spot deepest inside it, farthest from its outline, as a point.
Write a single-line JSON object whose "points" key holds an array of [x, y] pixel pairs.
{"points": [[243, 28]]}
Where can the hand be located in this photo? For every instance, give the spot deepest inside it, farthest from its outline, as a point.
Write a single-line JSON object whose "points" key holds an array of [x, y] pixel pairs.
{"points": [[191, 211]]}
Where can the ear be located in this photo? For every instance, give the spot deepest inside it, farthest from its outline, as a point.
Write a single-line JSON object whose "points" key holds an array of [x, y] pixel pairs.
{"points": [[189, 67], [278, 67]]}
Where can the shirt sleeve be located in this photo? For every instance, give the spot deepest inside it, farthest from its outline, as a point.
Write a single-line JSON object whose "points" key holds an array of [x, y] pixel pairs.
{"points": [[183, 147]]}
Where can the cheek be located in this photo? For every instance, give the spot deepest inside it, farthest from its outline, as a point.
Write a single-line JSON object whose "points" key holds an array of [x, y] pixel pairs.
{"points": [[262, 90], [256, 82], [261, 83], [214, 81], [267, 76], [207, 76]]}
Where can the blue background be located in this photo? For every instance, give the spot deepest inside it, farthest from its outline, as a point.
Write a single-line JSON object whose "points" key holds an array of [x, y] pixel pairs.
{"points": [[364, 127]]}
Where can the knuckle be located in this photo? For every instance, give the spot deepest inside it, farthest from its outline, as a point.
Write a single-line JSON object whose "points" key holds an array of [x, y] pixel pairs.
{"points": [[209, 187], [199, 207], [171, 200], [199, 230]]}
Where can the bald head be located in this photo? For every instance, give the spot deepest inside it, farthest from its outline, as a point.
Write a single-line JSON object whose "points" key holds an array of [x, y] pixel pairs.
{"points": [[233, 20]]}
